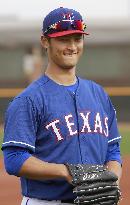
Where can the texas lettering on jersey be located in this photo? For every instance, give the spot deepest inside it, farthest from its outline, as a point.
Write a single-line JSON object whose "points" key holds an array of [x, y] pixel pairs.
{"points": [[100, 125]]}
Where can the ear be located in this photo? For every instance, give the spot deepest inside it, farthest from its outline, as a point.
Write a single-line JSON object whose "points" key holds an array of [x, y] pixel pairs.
{"points": [[44, 42]]}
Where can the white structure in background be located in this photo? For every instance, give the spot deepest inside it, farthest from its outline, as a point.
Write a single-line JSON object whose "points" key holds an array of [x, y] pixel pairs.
{"points": [[32, 64], [27, 32]]}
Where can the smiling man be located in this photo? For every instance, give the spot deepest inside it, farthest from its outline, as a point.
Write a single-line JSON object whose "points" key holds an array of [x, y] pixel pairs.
{"points": [[61, 123], [64, 51]]}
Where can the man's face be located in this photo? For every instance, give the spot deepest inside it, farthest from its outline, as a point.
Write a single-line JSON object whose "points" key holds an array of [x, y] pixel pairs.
{"points": [[65, 51]]}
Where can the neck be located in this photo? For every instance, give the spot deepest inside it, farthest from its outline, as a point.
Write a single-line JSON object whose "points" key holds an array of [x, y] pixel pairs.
{"points": [[60, 75]]}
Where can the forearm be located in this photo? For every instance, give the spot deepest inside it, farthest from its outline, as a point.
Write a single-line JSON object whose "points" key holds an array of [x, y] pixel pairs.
{"points": [[115, 167], [34, 168]]}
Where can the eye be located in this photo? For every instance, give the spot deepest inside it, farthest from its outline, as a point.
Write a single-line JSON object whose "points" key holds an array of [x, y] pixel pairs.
{"points": [[78, 39], [62, 39]]}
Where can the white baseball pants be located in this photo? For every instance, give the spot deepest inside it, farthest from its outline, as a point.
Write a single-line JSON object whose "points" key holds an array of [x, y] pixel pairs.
{"points": [[33, 201]]}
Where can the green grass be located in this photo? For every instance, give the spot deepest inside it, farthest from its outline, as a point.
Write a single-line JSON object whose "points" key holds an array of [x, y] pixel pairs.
{"points": [[125, 143]]}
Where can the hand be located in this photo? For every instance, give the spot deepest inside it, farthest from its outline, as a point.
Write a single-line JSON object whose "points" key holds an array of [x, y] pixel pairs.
{"points": [[67, 175], [94, 184]]}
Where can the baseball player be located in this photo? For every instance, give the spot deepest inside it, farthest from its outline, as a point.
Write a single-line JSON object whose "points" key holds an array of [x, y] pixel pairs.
{"points": [[59, 119]]}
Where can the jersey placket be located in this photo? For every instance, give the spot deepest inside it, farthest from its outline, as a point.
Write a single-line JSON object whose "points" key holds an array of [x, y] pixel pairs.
{"points": [[74, 97], [77, 118]]}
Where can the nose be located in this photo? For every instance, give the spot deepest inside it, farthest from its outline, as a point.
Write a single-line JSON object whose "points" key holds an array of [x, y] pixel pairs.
{"points": [[71, 45]]}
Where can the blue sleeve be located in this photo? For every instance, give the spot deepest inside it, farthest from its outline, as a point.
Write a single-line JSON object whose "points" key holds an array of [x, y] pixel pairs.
{"points": [[20, 124], [113, 153], [114, 135], [14, 157]]}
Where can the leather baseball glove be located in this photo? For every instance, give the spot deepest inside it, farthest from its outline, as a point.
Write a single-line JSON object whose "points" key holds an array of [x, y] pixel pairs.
{"points": [[94, 185]]}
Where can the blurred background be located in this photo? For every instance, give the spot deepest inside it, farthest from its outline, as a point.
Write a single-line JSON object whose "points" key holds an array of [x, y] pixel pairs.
{"points": [[106, 60]]}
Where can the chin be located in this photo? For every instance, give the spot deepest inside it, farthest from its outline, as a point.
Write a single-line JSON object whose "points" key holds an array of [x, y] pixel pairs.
{"points": [[68, 67]]}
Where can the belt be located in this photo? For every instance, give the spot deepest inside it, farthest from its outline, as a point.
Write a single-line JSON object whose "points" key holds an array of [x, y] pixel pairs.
{"points": [[69, 201]]}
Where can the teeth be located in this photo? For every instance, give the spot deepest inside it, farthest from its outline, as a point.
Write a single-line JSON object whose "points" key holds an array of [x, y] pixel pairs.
{"points": [[69, 54]]}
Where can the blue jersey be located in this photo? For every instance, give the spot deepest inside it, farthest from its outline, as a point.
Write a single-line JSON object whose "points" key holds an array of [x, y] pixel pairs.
{"points": [[60, 127]]}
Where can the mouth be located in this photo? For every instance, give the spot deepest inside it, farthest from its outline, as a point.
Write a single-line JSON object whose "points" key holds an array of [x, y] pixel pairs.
{"points": [[70, 54]]}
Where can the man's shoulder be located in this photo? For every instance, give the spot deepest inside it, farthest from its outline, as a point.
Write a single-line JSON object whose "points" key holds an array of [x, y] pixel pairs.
{"points": [[94, 87], [32, 93], [34, 88], [91, 83]]}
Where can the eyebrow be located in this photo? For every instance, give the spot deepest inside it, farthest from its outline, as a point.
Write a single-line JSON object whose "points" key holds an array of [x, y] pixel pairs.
{"points": [[70, 36]]}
